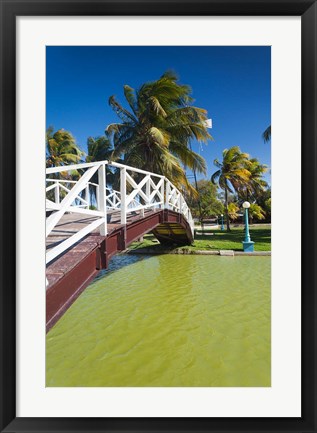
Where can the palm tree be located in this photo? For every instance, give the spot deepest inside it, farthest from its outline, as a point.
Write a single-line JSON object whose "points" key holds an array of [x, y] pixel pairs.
{"points": [[99, 149], [255, 184], [233, 210], [263, 199], [61, 148], [267, 134], [256, 212], [232, 173], [155, 133]]}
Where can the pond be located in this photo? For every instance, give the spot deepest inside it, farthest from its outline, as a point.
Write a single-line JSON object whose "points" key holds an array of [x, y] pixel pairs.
{"points": [[168, 321]]}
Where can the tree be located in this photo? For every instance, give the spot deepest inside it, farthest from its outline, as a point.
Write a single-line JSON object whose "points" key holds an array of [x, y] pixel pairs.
{"points": [[256, 212], [155, 132], [263, 199], [99, 149], [61, 148], [206, 203], [249, 190], [267, 209], [233, 210], [267, 134], [232, 174]]}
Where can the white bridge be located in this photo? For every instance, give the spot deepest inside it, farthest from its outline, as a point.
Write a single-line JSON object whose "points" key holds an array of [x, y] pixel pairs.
{"points": [[138, 191]]}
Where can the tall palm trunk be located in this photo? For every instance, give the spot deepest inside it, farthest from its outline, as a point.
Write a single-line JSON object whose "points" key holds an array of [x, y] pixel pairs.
{"points": [[227, 211]]}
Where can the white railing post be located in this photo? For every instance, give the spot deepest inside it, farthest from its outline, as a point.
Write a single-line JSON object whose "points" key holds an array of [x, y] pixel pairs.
{"points": [[57, 193], [53, 219], [123, 193], [162, 193], [102, 197], [97, 196], [87, 195], [148, 189], [167, 193]]}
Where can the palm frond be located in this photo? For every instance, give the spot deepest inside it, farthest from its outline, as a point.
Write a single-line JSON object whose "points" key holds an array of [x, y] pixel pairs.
{"points": [[189, 158], [130, 96], [124, 114], [267, 134]]}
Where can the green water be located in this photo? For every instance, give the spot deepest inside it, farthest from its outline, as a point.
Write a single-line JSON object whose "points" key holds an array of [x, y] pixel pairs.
{"points": [[167, 321]]}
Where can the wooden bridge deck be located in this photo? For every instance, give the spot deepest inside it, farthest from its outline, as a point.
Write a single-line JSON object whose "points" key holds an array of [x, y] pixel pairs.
{"points": [[69, 274], [68, 226]]}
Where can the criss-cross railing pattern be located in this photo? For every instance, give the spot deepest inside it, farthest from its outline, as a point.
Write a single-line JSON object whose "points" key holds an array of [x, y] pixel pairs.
{"points": [[139, 190], [60, 186]]}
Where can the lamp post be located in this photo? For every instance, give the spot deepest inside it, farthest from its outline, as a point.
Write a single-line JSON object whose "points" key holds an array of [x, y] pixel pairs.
{"points": [[222, 226], [248, 245]]}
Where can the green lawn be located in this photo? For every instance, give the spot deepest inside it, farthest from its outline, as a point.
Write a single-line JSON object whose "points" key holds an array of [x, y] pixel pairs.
{"points": [[218, 240]]}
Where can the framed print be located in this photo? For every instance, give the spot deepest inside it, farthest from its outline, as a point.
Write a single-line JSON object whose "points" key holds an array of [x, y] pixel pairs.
{"points": [[216, 335]]}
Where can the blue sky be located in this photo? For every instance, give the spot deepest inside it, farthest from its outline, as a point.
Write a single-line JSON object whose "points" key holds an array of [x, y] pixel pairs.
{"points": [[232, 83]]}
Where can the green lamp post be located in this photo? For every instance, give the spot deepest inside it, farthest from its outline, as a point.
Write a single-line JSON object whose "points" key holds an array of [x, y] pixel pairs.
{"points": [[222, 226], [248, 245]]}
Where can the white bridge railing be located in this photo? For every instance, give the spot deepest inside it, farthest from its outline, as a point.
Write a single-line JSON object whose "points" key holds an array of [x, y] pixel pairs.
{"points": [[139, 190]]}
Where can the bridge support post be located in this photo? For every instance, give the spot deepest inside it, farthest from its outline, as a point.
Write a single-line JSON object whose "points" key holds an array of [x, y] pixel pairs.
{"points": [[97, 196], [102, 198], [87, 196], [167, 192], [123, 193], [148, 189], [162, 193], [180, 204], [57, 200]]}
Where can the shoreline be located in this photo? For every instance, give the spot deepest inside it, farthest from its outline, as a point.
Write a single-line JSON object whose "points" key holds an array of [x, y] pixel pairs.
{"points": [[185, 251]]}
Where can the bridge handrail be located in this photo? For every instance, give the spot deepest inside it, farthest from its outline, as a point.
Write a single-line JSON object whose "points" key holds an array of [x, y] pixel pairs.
{"points": [[61, 168], [137, 170], [113, 198], [139, 190]]}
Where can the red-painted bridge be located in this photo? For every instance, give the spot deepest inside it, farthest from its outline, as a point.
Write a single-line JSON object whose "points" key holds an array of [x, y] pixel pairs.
{"points": [[81, 240]]}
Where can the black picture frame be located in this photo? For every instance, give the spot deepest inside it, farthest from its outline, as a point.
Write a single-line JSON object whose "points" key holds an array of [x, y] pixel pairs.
{"points": [[10, 9]]}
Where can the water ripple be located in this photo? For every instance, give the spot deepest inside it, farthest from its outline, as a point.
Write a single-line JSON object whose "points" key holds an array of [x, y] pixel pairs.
{"points": [[167, 321]]}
